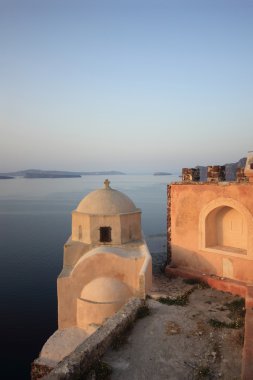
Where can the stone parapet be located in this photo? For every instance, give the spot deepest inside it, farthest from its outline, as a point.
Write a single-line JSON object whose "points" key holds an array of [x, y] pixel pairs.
{"points": [[248, 171], [190, 174], [79, 362], [240, 175], [227, 183], [216, 173]]}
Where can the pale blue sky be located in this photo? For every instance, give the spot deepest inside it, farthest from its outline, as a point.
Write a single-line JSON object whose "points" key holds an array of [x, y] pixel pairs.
{"points": [[140, 85]]}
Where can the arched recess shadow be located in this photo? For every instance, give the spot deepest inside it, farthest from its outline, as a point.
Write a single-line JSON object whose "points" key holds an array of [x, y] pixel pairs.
{"points": [[216, 206]]}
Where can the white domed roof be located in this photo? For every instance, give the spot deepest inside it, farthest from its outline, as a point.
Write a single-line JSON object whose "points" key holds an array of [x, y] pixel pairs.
{"points": [[105, 289], [106, 201]]}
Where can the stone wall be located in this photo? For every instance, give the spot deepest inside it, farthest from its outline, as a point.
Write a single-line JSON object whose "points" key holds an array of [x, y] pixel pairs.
{"points": [[240, 175], [190, 174], [210, 228], [79, 362], [216, 173]]}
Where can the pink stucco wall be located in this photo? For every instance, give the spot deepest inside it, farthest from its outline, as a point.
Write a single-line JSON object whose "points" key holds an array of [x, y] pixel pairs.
{"points": [[188, 208]]}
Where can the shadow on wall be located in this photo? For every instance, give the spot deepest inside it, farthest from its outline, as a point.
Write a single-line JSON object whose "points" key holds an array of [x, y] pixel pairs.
{"points": [[187, 259], [225, 225]]}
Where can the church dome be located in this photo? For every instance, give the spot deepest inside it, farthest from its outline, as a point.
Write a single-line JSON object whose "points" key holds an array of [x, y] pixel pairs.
{"points": [[106, 201]]}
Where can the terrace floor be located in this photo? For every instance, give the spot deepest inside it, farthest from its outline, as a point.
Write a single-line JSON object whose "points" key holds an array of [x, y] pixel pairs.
{"points": [[191, 332]]}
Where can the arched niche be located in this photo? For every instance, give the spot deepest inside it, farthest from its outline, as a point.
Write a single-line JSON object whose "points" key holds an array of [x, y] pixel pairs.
{"points": [[223, 227], [226, 230]]}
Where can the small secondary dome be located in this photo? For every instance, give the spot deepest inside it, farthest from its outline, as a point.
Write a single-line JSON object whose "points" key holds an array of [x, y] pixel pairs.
{"points": [[105, 289], [106, 201]]}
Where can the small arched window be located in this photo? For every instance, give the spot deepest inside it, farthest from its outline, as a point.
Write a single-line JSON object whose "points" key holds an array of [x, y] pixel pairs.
{"points": [[105, 234]]}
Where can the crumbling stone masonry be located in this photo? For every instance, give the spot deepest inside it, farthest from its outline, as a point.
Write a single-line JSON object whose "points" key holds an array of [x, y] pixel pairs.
{"points": [[240, 175], [216, 173], [190, 174]]}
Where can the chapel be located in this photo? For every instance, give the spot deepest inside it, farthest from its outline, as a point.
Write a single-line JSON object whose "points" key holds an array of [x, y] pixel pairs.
{"points": [[106, 261]]}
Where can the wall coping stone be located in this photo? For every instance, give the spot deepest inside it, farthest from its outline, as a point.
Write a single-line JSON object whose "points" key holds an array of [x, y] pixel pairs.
{"points": [[221, 183], [78, 363]]}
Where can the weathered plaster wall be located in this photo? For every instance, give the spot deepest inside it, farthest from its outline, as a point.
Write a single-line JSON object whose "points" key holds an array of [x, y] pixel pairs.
{"points": [[109, 265], [130, 227], [189, 207], [124, 227]]}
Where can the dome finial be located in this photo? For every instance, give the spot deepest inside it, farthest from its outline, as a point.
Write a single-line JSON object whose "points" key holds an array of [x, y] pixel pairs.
{"points": [[107, 184]]}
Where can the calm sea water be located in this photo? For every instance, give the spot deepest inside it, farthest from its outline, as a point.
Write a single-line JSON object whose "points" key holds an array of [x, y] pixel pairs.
{"points": [[35, 221]]}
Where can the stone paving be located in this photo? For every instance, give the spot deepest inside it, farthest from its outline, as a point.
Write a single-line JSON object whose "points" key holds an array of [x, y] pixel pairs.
{"points": [[178, 342]]}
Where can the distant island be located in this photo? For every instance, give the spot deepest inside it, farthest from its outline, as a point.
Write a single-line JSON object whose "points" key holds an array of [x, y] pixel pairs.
{"points": [[6, 177], [50, 175], [162, 173], [36, 173]]}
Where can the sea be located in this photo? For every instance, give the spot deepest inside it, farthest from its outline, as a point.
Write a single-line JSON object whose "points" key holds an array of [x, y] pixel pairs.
{"points": [[35, 222]]}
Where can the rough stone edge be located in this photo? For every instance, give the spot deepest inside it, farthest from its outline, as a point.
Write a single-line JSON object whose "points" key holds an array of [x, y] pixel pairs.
{"points": [[38, 371], [221, 183], [78, 363]]}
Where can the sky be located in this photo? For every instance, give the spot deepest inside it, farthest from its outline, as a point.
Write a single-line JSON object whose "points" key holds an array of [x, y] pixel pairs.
{"points": [[130, 85]]}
